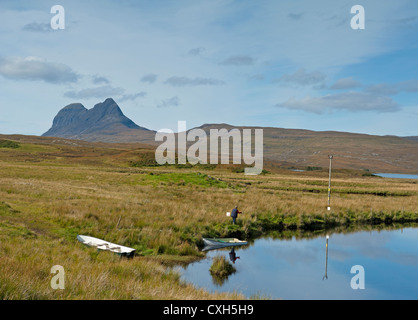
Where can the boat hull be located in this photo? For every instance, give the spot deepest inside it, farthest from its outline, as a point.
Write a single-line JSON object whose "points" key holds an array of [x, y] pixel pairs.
{"points": [[216, 243], [105, 245]]}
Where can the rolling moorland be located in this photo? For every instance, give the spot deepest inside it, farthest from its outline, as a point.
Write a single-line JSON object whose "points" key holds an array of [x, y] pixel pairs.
{"points": [[53, 189], [297, 148]]}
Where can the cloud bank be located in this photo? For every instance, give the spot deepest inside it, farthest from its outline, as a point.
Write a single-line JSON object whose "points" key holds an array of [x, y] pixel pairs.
{"points": [[36, 68], [104, 91], [303, 78], [241, 60], [185, 81], [348, 101]]}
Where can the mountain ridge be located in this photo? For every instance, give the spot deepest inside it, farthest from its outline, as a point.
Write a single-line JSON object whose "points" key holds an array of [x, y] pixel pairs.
{"points": [[300, 148]]}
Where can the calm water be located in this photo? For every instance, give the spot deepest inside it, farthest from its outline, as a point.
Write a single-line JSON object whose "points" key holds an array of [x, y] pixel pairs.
{"points": [[397, 175], [295, 269]]}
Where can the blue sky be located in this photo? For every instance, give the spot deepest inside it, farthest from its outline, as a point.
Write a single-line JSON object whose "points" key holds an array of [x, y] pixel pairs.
{"points": [[290, 64]]}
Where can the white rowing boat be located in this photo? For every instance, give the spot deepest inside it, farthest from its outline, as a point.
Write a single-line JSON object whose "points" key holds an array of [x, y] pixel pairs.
{"points": [[104, 245]]}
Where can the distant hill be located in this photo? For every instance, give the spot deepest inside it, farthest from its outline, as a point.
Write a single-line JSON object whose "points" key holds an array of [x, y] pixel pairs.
{"points": [[415, 138], [105, 122], [305, 148], [286, 148]]}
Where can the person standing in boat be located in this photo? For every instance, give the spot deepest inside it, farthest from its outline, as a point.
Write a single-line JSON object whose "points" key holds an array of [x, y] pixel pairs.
{"points": [[234, 214]]}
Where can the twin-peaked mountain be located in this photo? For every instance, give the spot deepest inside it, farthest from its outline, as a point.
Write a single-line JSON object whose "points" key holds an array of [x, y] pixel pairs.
{"points": [[104, 122], [285, 147]]}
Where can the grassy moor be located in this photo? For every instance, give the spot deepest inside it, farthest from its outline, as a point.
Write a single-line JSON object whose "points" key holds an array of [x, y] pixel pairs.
{"points": [[54, 189]]}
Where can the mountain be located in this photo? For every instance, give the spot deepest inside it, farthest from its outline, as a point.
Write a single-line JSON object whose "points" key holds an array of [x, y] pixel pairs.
{"points": [[295, 148], [104, 122]]}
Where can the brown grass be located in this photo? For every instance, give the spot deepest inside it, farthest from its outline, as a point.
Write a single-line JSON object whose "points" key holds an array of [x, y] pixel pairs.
{"points": [[51, 193]]}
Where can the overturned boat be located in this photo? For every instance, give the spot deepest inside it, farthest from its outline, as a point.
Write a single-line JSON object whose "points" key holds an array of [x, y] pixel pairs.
{"points": [[217, 243], [104, 245]]}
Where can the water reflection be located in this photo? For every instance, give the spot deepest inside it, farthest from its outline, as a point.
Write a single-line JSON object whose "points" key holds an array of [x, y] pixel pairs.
{"points": [[233, 256], [219, 279], [326, 260], [284, 267]]}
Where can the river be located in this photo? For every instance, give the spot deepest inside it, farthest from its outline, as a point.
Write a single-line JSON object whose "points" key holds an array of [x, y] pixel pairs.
{"points": [[375, 265]]}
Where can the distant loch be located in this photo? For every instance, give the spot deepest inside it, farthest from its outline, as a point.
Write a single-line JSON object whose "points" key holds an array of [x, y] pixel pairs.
{"points": [[397, 175]]}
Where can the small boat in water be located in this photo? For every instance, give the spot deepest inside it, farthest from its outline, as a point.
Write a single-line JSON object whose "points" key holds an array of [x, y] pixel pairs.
{"points": [[104, 245], [216, 243]]}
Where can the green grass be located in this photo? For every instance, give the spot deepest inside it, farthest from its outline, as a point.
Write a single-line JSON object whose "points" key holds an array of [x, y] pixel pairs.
{"points": [[184, 179], [9, 144], [381, 193], [16, 231], [6, 209]]}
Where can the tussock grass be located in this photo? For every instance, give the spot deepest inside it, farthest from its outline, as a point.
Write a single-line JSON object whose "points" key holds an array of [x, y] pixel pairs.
{"points": [[221, 267]]}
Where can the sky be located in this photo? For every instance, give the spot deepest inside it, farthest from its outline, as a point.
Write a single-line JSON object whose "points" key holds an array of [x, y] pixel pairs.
{"points": [[273, 63]]}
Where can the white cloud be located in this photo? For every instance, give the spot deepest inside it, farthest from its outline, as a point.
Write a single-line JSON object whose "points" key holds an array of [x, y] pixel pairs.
{"points": [[37, 27], [98, 92], [348, 101], [295, 16], [240, 60], [103, 92], [186, 81], [409, 86], [149, 78], [197, 51], [100, 79], [35, 69], [345, 83], [133, 96], [303, 78], [383, 89]]}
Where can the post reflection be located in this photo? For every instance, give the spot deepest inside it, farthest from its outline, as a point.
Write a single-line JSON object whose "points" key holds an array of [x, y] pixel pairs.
{"points": [[326, 260]]}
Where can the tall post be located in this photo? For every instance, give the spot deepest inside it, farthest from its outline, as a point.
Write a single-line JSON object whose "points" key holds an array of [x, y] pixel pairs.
{"points": [[329, 182]]}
